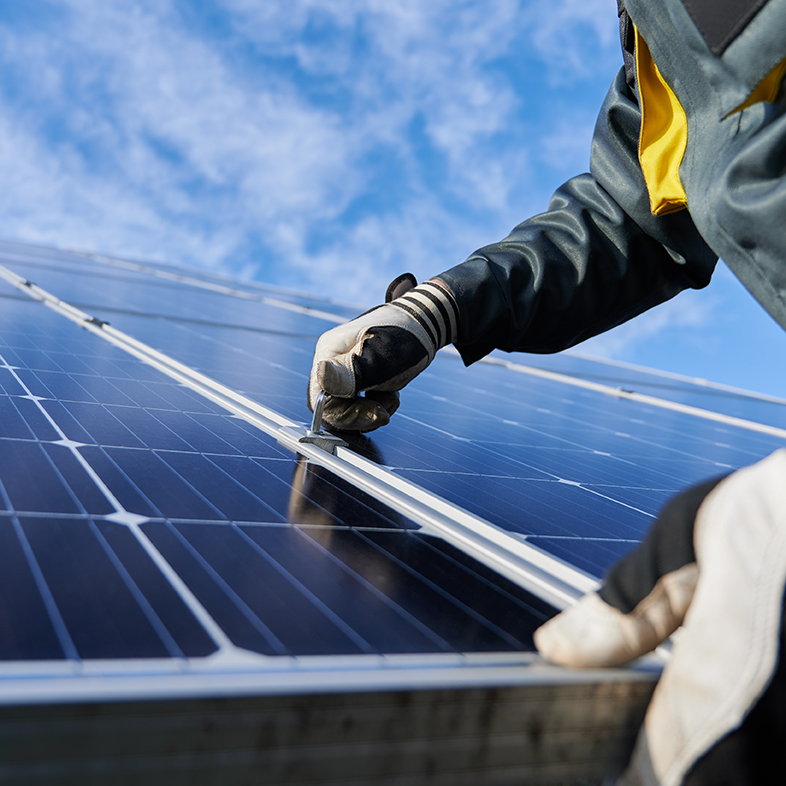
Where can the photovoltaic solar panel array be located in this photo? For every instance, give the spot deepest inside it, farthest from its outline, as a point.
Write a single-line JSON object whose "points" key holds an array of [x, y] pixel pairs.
{"points": [[153, 509], [92, 431]]}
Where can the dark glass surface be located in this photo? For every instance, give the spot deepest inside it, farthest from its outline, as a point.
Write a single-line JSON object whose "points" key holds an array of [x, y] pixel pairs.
{"points": [[288, 558], [179, 629], [321, 590], [98, 609], [27, 633], [535, 456]]}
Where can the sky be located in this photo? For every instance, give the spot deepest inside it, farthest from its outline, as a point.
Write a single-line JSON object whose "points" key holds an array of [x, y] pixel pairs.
{"points": [[327, 145]]}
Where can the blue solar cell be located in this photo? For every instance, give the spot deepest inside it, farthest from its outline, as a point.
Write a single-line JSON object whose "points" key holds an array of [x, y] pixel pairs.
{"points": [[188, 638], [9, 384], [12, 424], [395, 569], [148, 429], [32, 481], [488, 608], [101, 615], [344, 591], [194, 433], [232, 500], [238, 622], [170, 494], [313, 495], [715, 399], [128, 495], [31, 358], [379, 623], [585, 553], [296, 618], [92, 423], [76, 479], [28, 633], [239, 434]]}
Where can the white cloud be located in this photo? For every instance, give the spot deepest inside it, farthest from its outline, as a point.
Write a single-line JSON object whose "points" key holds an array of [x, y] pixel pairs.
{"points": [[575, 38], [686, 317], [566, 145], [132, 129]]}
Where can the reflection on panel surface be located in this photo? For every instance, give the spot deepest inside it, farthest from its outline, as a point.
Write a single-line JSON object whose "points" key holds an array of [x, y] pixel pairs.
{"points": [[575, 472], [580, 473], [133, 511]]}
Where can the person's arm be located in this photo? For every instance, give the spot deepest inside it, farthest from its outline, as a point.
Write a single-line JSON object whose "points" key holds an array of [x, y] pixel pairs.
{"points": [[594, 259]]}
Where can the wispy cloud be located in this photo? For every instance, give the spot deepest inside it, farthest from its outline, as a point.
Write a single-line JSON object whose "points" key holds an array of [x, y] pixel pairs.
{"points": [[684, 318], [327, 142]]}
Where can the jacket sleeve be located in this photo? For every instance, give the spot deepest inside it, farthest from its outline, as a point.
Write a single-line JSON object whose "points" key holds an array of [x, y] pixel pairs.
{"points": [[594, 259]]}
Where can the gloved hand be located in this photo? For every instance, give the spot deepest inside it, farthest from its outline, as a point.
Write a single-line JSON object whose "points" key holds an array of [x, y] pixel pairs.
{"points": [[380, 352], [715, 560], [644, 597]]}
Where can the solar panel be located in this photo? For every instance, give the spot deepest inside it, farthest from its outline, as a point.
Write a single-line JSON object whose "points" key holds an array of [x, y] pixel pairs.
{"points": [[212, 496], [163, 528], [579, 473]]}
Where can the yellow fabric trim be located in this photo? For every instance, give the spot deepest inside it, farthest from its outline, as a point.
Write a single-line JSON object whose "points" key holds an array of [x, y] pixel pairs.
{"points": [[664, 135], [766, 90]]}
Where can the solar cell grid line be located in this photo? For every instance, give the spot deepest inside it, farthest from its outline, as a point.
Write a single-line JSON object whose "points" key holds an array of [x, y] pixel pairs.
{"points": [[73, 502], [587, 412], [508, 559], [81, 286], [596, 567], [90, 452], [223, 283], [723, 414], [577, 362]]}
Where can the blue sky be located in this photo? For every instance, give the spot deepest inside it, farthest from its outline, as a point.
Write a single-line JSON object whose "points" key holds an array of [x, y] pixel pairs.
{"points": [[327, 145]]}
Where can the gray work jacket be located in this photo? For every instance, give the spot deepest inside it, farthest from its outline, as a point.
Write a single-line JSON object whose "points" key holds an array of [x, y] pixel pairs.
{"points": [[598, 256]]}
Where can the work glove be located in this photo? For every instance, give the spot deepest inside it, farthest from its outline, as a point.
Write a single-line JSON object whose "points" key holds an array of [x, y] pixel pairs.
{"points": [[715, 562], [380, 352]]}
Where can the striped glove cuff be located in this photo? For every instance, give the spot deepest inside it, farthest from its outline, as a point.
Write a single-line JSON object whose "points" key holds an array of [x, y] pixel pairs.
{"points": [[434, 308]]}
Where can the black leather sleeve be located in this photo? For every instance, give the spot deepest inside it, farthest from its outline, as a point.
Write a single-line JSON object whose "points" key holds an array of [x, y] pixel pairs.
{"points": [[594, 259]]}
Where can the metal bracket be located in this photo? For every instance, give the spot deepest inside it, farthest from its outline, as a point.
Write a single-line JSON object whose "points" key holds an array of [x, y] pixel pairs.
{"points": [[315, 435]]}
